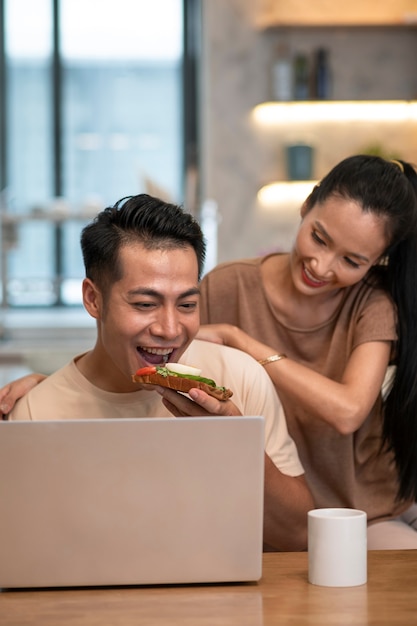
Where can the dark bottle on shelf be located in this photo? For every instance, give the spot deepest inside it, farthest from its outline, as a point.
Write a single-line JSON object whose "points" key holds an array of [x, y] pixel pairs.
{"points": [[301, 77], [321, 78]]}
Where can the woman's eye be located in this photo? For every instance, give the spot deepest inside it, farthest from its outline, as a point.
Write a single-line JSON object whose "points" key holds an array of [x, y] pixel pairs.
{"points": [[352, 263], [317, 238]]}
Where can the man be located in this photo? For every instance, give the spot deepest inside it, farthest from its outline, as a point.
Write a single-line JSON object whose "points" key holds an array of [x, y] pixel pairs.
{"points": [[143, 260]]}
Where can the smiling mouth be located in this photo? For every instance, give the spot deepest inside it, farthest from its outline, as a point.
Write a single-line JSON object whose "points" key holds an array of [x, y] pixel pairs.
{"points": [[311, 280], [155, 356]]}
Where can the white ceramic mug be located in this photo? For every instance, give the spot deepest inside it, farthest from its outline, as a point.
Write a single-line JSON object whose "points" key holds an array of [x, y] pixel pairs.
{"points": [[337, 547]]}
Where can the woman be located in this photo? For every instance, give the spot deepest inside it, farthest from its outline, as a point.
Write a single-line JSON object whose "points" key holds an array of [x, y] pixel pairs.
{"points": [[326, 321]]}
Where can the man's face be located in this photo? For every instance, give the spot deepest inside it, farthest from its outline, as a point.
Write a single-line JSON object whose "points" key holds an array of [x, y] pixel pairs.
{"points": [[149, 316]]}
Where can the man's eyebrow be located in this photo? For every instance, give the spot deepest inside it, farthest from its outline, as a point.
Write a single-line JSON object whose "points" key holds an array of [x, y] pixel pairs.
{"points": [[153, 293], [325, 234]]}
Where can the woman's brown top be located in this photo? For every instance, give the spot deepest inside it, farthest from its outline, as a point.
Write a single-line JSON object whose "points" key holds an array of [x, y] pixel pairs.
{"points": [[342, 470]]}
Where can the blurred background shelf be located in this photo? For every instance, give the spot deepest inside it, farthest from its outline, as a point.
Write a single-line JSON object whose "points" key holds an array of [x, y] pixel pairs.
{"points": [[310, 111], [271, 13]]}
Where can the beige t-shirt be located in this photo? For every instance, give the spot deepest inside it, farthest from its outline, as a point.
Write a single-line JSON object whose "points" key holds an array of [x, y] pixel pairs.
{"points": [[67, 394], [342, 470]]}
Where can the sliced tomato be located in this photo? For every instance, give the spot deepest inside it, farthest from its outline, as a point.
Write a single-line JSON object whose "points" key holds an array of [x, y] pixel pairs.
{"points": [[145, 371]]}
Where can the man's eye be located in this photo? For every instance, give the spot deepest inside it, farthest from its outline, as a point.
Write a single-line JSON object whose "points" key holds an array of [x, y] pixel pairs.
{"points": [[144, 306], [189, 306]]}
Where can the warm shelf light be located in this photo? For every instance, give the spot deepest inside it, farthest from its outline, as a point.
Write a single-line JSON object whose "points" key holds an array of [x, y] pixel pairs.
{"points": [[277, 113], [285, 195]]}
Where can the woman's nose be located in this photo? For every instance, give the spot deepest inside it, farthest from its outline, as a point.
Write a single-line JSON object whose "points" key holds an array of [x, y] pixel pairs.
{"points": [[323, 264]]}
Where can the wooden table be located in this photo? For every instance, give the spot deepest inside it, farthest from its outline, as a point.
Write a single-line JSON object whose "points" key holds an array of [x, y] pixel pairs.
{"points": [[283, 596]]}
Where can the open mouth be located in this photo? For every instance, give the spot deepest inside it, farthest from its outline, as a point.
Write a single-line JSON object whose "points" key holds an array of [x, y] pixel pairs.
{"points": [[311, 280], [155, 356]]}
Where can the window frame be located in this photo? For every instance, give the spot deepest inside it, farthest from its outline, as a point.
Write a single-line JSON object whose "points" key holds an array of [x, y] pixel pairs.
{"points": [[189, 146]]}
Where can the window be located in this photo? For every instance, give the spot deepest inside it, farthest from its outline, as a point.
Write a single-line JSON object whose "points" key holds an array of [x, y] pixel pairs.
{"points": [[92, 111]]}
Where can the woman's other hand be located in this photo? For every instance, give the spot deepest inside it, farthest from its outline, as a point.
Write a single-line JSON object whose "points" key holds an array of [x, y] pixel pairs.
{"points": [[10, 393]]}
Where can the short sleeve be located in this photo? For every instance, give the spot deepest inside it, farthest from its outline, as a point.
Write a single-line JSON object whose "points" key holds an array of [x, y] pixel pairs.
{"points": [[376, 321]]}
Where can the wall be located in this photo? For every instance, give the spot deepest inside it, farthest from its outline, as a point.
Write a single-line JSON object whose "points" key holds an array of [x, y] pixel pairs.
{"points": [[237, 159]]}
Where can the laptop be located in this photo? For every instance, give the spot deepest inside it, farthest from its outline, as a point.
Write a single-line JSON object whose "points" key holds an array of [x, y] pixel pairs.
{"points": [[131, 501]]}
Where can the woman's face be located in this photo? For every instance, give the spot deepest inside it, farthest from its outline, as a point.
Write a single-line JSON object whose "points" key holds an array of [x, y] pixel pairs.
{"points": [[336, 245]]}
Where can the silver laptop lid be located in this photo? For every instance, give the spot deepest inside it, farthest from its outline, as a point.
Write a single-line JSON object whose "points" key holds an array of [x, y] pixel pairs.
{"points": [[135, 501]]}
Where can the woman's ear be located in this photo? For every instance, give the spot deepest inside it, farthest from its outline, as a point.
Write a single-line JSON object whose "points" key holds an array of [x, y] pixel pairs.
{"points": [[92, 298]]}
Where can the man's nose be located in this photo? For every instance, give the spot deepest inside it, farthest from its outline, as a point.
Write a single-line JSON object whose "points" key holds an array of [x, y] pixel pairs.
{"points": [[167, 325]]}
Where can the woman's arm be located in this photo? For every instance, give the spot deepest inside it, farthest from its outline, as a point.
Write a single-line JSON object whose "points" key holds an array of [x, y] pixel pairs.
{"points": [[344, 405], [10, 393]]}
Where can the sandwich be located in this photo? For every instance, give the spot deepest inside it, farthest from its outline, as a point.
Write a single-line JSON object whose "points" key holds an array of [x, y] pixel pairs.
{"points": [[180, 378]]}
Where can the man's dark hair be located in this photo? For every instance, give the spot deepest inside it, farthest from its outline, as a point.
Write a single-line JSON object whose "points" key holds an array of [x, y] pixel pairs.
{"points": [[136, 219]]}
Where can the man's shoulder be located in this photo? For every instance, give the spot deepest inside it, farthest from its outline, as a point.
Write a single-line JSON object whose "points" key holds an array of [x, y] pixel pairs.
{"points": [[63, 373], [48, 393], [213, 357]]}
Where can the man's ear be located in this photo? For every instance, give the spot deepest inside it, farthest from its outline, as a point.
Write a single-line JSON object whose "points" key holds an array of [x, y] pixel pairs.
{"points": [[92, 299]]}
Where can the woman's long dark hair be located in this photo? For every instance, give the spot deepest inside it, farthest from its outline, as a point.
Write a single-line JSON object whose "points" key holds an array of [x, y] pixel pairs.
{"points": [[389, 189]]}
